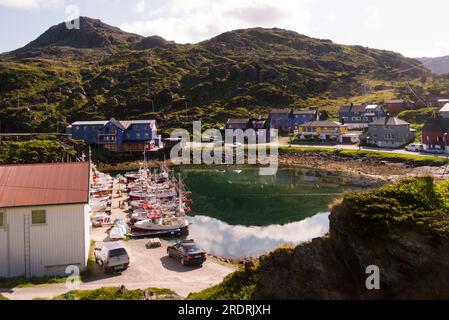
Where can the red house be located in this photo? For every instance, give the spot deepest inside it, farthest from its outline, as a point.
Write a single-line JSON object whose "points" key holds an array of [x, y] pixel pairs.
{"points": [[435, 134]]}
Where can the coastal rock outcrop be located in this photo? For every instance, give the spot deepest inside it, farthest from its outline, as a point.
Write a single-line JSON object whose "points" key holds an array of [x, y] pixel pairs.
{"points": [[401, 228]]}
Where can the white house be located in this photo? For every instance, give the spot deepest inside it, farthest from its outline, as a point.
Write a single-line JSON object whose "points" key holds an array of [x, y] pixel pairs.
{"points": [[44, 218]]}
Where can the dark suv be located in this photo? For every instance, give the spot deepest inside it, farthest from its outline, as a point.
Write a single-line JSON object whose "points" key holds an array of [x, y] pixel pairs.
{"points": [[187, 252]]}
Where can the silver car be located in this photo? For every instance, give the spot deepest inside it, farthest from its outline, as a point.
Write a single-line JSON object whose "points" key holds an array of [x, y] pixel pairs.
{"points": [[112, 257]]}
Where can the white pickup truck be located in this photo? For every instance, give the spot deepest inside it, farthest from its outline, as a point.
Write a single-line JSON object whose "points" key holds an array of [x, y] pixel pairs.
{"points": [[415, 147], [112, 257]]}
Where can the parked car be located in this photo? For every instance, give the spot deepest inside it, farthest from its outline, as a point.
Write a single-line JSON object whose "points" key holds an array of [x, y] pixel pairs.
{"points": [[187, 252], [415, 147], [112, 257]]}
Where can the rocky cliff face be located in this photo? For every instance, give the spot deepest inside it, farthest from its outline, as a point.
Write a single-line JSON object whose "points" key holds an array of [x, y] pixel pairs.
{"points": [[402, 229], [413, 264]]}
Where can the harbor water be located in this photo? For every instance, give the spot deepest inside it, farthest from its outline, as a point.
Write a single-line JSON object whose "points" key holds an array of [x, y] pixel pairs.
{"points": [[237, 213]]}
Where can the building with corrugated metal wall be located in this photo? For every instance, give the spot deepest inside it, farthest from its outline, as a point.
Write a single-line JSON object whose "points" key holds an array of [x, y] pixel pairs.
{"points": [[44, 218]]}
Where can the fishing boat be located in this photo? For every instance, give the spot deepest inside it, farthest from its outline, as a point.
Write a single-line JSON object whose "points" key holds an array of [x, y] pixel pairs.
{"points": [[162, 224]]}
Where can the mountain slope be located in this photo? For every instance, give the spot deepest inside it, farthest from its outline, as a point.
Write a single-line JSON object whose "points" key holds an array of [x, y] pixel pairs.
{"points": [[438, 65], [100, 71]]}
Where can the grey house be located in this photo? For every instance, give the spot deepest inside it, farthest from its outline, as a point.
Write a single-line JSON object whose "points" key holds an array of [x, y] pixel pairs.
{"points": [[389, 132]]}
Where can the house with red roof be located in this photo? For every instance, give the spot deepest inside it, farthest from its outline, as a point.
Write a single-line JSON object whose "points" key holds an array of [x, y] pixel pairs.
{"points": [[44, 218]]}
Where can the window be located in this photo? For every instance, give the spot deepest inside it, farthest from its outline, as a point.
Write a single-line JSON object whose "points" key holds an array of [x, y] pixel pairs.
{"points": [[138, 135], [77, 128], [85, 128], [38, 217], [147, 135], [2, 222]]}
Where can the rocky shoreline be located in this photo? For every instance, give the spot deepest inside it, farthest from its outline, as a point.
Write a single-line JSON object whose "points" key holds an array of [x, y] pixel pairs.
{"points": [[369, 168]]}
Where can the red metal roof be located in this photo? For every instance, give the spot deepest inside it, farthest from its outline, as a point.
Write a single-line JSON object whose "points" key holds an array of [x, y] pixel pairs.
{"points": [[44, 184]]}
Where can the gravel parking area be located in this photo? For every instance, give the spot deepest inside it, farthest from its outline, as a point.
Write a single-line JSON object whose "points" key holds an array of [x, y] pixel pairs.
{"points": [[148, 268]]}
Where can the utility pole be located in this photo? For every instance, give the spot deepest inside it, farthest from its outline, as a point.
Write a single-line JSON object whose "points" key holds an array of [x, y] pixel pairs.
{"points": [[148, 94]]}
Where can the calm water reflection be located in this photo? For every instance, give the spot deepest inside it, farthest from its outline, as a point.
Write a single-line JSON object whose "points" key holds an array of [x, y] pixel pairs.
{"points": [[224, 240], [241, 214]]}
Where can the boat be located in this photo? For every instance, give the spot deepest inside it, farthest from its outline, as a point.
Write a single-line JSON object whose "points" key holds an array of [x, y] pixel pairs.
{"points": [[162, 224]]}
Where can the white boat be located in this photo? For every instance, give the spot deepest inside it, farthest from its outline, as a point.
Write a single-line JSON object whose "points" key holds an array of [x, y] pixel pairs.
{"points": [[162, 224]]}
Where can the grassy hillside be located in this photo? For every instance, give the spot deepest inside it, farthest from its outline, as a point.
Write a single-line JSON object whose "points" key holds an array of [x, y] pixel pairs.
{"points": [[102, 72]]}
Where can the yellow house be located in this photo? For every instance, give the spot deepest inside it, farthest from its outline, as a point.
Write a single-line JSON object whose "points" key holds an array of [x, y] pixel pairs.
{"points": [[324, 130]]}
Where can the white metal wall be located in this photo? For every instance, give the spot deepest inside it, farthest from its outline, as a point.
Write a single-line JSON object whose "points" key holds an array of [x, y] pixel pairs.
{"points": [[60, 242]]}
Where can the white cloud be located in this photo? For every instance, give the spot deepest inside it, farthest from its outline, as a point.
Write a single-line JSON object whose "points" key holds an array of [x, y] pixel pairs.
{"points": [[331, 17], [222, 239], [29, 4], [140, 6], [439, 49], [373, 18], [197, 20]]}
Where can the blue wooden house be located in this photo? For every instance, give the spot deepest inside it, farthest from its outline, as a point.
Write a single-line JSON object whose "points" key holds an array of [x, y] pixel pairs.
{"points": [[280, 119], [290, 119], [299, 117], [359, 116], [118, 136]]}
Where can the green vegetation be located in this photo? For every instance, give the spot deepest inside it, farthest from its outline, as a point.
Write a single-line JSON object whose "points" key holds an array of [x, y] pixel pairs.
{"points": [[34, 151], [419, 201], [240, 285], [91, 262], [44, 89], [419, 116], [117, 294], [22, 282]]}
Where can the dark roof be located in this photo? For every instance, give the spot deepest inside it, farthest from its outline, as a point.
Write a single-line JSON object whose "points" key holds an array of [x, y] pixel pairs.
{"points": [[277, 111], [44, 184], [305, 112], [118, 124], [389, 121], [436, 124], [354, 108], [394, 101], [325, 123], [238, 121], [122, 124]]}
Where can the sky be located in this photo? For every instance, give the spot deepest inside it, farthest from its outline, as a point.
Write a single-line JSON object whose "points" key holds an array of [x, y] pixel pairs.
{"points": [[415, 28]]}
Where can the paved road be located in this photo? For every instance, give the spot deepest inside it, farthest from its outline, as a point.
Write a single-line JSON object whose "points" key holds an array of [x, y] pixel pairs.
{"points": [[284, 142]]}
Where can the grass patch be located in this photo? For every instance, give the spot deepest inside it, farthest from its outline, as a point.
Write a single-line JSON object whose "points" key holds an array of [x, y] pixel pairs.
{"points": [[240, 285], [22, 282], [117, 294]]}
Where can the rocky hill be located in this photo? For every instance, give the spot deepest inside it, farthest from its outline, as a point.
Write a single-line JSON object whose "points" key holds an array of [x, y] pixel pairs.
{"points": [[100, 71], [438, 65], [403, 229]]}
